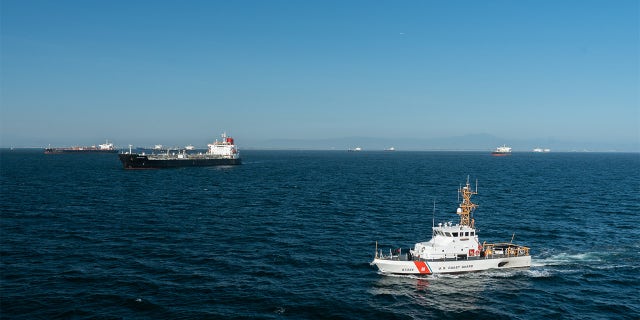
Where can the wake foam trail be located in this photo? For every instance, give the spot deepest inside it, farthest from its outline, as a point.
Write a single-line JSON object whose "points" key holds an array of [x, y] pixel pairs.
{"points": [[539, 273], [563, 259]]}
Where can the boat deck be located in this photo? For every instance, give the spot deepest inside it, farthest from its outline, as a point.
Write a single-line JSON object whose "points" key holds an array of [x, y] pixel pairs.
{"points": [[182, 156], [490, 251]]}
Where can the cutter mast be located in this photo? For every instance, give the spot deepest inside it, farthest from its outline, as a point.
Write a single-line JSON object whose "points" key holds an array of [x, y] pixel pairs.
{"points": [[466, 206]]}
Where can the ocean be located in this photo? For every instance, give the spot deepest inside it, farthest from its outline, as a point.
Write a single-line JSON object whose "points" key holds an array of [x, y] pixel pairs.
{"points": [[290, 235]]}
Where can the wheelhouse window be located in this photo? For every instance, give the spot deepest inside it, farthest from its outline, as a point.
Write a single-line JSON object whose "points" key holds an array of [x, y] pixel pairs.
{"points": [[455, 234], [448, 234]]}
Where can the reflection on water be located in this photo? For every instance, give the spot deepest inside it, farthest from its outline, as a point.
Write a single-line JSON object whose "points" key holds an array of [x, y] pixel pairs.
{"points": [[445, 292], [443, 295]]}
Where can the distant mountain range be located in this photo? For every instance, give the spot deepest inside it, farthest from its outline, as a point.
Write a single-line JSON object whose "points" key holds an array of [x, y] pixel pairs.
{"points": [[471, 142]]}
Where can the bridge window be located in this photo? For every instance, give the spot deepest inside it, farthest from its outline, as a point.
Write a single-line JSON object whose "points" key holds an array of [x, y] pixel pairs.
{"points": [[448, 234], [466, 234], [455, 234]]}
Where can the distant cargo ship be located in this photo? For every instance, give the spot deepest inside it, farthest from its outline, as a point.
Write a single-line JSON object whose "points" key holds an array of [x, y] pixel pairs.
{"points": [[541, 150], [106, 147], [502, 151], [220, 153]]}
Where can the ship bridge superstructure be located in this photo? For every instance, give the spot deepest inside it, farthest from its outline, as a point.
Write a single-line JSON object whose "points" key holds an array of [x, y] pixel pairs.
{"points": [[453, 241], [225, 148], [449, 241]]}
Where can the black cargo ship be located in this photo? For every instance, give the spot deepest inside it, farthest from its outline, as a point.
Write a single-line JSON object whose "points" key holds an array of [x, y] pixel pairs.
{"points": [[220, 153], [141, 161]]}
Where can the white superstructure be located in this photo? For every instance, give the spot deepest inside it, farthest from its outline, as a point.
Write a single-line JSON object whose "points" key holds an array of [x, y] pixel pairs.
{"points": [[453, 248], [225, 148], [106, 146], [502, 149]]}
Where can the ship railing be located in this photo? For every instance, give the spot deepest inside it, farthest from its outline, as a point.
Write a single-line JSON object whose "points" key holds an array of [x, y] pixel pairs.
{"points": [[405, 255], [469, 258], [452, 257], [492, 250], [397, 255]]}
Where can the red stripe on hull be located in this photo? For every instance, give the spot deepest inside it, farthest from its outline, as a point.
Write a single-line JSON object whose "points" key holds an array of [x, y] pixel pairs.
{"points": [[423, 267]]}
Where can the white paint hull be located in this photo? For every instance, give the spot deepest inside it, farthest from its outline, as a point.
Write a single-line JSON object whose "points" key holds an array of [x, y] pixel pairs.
{"points": [[454, 266]]}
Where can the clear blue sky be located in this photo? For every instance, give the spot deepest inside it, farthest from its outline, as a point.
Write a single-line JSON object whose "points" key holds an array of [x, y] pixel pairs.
{"points": [[179, 72]]}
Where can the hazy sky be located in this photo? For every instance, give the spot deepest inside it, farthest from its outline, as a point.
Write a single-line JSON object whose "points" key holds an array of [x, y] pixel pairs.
{"points": [[179, 72]]}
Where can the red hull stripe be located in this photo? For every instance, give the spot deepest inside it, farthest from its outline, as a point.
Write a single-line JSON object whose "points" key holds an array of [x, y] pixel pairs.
{"points": [[423, 267]]}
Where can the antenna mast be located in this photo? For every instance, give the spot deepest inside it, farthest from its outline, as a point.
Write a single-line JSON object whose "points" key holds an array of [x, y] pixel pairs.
{"points": [[433, 221], [467, 207]]}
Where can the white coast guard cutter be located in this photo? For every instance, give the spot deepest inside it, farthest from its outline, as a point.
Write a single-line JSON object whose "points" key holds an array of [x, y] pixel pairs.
{"points": [[454, 249]]}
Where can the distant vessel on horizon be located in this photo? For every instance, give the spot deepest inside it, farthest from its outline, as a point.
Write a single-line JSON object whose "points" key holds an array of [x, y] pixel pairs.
{"points": [[502, 151], [106, 147], [390, 149], [355, 149], [541, 150]]}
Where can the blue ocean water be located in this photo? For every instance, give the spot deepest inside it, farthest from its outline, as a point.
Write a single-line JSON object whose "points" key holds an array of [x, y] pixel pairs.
{"points": [[290, 234]]}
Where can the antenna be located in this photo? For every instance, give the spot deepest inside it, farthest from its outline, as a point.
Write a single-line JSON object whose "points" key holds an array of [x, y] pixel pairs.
{"points": [[465, 210], [376, 256], [433, 221]]}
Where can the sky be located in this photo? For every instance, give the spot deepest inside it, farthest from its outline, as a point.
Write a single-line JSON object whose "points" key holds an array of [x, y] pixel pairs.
{"points": [[182, 72]]}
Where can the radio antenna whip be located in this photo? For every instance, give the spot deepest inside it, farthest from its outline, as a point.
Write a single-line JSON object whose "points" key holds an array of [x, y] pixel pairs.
{"points": [[433, 220]]}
